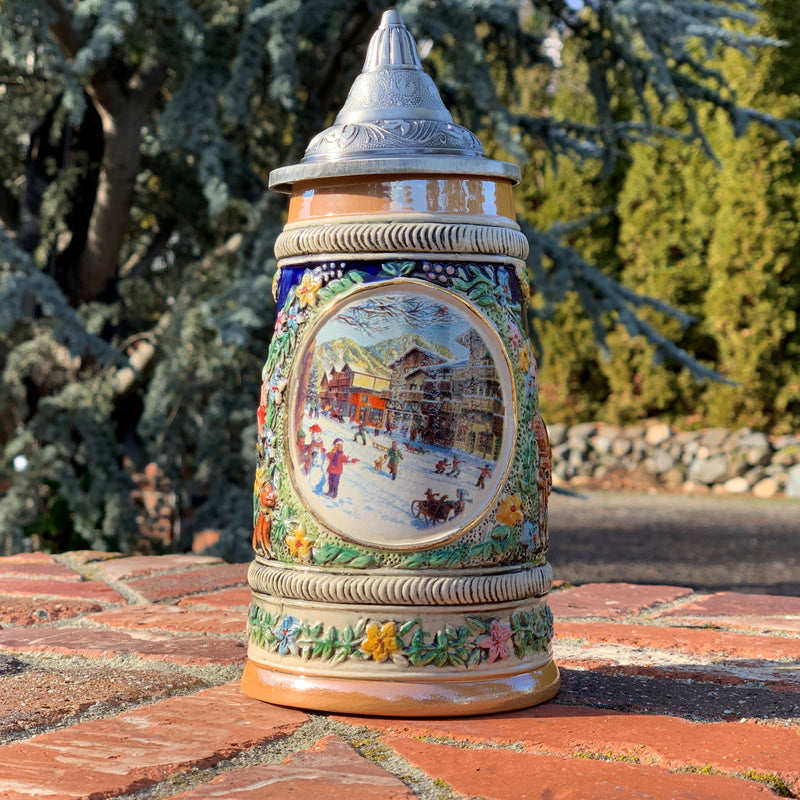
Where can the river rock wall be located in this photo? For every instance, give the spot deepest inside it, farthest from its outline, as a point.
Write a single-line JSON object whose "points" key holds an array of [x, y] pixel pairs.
{"points": [[739, 462]]}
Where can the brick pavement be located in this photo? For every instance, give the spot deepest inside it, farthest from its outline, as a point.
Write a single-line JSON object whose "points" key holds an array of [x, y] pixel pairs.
{"points": [[119, 678]]}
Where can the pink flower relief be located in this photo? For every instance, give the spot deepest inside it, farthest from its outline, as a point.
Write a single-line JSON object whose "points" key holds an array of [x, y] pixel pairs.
{"points": [[496, 640], [514, 335]]}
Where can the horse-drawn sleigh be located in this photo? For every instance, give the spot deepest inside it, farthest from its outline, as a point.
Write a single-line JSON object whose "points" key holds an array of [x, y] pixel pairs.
{"points": [[436, 508]]}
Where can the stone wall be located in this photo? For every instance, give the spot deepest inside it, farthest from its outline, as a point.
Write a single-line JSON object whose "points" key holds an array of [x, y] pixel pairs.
{"points": [[733, 462]]}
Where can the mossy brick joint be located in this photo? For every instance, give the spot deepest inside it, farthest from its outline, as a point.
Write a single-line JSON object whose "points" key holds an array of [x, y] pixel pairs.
{"points": [[666, 692]]}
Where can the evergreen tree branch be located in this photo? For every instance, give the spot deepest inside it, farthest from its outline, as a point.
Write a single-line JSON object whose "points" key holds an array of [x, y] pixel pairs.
{"points": [[64, 30], [18, 277], [359, 23], [650, 42], [600, 294], [142, 353], [145, 348]]}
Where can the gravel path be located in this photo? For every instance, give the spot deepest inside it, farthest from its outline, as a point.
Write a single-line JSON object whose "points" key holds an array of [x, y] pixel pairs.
{"points": [[706, 543]]}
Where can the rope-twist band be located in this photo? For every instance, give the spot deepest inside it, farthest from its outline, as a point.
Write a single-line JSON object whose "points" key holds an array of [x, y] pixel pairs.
{"points": [[400, 589], [391, 237]]}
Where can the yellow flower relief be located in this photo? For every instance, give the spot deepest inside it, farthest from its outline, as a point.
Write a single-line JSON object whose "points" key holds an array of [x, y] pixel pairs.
{"points": [[276, 279], [307, 289], [381, 640], [510, 511], [524, 358], [298, 543]]}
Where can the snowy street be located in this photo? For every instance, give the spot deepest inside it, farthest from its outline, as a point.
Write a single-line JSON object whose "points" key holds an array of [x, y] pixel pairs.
{"points": [[371, 506]]}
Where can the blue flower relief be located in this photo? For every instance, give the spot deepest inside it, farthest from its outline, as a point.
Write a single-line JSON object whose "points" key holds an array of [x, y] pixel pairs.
{"points": [[530, 384], [285, 633], [529, 538], [269, 447], [506, 296], [276, 388], [293, 318]]}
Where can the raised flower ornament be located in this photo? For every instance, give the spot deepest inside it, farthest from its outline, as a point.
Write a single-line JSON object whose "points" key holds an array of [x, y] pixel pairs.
{"points": [[381, 641], [496, 642], [307, 289]]}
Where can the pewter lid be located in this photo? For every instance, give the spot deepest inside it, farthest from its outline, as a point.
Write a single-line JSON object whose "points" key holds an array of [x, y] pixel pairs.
{"points": [[393, 122]]}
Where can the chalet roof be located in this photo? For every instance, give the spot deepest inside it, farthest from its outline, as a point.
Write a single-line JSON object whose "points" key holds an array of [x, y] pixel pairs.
{"points": [[438, 356], [346, 366], [450, 366]]}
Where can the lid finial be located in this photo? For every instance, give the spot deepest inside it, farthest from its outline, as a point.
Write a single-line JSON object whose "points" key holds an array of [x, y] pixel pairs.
{"points": [[392, 84], [393, 120], [392, 45]]}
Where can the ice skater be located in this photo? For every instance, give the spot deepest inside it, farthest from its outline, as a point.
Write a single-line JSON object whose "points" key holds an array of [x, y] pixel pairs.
{"points": [[395, 457], [336, 461], [486, 471], [315, 468], [303, 451], [361, 432]]}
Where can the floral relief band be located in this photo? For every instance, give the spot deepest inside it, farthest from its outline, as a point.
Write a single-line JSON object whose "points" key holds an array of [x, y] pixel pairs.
{"points": [[474, 642], [298, 530]]}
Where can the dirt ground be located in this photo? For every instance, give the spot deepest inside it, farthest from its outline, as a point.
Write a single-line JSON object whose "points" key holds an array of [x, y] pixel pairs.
{"points": [[708, 543]]}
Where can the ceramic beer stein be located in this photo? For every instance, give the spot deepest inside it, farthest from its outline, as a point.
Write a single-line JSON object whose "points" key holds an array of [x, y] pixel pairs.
{"points": [[403, 469]]}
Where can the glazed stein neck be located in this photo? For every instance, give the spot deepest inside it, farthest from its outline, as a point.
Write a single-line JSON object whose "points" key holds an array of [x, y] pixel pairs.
{"points": [[445, 198]]}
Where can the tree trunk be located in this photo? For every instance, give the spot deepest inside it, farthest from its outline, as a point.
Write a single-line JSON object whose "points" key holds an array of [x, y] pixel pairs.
{"points": [[123, 111], [108, 226]]}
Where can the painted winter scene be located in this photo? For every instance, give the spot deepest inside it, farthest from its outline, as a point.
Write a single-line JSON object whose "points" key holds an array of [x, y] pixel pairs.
{"points": [[401, 420]]}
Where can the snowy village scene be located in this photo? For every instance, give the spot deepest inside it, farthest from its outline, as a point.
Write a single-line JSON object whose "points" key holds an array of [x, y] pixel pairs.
{"points": [[402, 418]]}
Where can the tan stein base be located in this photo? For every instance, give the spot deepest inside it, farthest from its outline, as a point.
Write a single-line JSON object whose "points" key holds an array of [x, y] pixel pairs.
{"points": [[443, 698]]}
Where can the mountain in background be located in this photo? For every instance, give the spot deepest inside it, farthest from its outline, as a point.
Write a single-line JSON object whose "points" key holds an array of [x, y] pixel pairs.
{"points": [[338, 352]]}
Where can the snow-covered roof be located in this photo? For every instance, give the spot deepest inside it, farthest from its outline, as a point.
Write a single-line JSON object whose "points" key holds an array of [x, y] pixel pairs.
{"points": [[438, 356]]}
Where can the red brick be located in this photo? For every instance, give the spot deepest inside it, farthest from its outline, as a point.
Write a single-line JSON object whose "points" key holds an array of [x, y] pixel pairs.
{"points": [[734, 611], [75, 590], [37, 698], [91, 643], [204, 539], [82, 557], [772, 676], [737, 604], [36, 569], [170, 618], [668, 742], [239, 597], [688, 640], [133, 566], [139, 748], [506, 775], [330, 770], [174, 585], [31, 611], [704, 700], [27, 558], [749, 623], [611, 600]]}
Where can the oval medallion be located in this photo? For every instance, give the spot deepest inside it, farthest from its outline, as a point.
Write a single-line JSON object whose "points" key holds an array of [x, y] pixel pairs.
{"points": [[401, 416]]}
